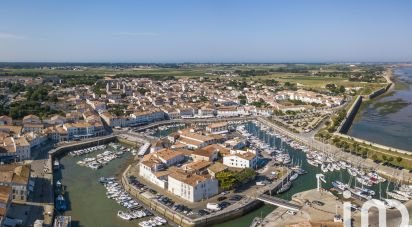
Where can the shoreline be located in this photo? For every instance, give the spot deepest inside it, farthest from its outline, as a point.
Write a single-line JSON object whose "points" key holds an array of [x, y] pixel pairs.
{"points": [[356, 114], [239, 213]]}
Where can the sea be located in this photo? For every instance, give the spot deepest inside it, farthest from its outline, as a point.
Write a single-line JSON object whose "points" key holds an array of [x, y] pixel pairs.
{"points": [[387, 120]]}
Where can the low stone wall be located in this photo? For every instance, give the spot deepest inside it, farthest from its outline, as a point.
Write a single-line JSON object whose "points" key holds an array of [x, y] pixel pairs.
{"points": [[350, 115]]}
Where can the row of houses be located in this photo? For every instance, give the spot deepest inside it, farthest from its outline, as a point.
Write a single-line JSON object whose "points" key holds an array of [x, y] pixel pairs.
{"points": [[157, 114], [15, 186], [310, 97], [18, 138]]}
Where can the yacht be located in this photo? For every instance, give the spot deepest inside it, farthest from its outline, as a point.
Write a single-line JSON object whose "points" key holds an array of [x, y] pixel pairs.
{"points": [[312, 163], [364, 181], [366, 191], [339, 185], [61, 203], [294, 177], [56, 164], [397, 196], [285, 187], [324, 168], [123, 215]]}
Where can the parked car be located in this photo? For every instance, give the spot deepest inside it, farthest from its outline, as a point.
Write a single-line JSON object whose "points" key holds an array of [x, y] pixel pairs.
{"points": [[317, 202], [221, 198], [224, 204], [236, 198]]}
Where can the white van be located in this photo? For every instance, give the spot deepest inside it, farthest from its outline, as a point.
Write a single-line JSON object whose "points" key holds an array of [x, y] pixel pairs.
{"points": [[213, 206]]}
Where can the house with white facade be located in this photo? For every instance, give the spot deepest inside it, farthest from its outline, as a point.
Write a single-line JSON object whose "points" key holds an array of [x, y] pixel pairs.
{"points": [[240, 159], [192, 187]]}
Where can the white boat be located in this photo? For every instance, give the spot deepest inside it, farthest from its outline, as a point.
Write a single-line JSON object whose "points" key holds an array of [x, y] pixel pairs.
{"points": [[123, 215], [294, 176], [397, 196], [363, 181], [312, 163], [324, 168], [352, 172], [403, 193], [56, 164]]}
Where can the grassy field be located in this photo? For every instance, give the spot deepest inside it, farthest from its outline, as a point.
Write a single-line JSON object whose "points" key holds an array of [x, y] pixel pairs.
{"points": [[320, 81], [305, 79]]}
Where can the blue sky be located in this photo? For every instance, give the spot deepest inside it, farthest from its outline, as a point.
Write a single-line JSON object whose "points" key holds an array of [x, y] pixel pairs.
{"points": [[205, 31]]}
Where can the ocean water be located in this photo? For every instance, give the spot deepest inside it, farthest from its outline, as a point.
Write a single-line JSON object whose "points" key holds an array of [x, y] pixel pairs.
{"points": [[392, 126]]}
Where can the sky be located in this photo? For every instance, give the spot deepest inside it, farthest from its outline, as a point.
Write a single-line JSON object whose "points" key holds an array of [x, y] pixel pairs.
{"points": [[205, 31]]}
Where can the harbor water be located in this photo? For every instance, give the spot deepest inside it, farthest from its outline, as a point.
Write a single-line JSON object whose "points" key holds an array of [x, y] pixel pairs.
{"points": [[302, 183], [87, 201], [387, 120], [89, 206]]}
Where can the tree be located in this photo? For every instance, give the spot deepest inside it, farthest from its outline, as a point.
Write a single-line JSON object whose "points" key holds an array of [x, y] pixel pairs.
{"points": [[342, 89], [374, 157], [399, 159], [364, 153], [336, 140]]}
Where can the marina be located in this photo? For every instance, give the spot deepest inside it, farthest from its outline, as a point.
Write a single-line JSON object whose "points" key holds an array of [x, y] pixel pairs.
{"points": [[342, 171], [106, 155], [86, 199], [274, 149]]}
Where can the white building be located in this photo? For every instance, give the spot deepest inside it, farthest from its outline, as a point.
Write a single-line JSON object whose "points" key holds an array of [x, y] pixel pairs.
{"points": [[217, 128], [145, 117], [192, 187], [150, 170], [230, 111], [240, 160]]}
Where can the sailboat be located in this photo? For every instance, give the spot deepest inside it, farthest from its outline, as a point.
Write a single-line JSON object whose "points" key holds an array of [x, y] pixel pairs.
{"points": [[284, 187], [294, 177]]}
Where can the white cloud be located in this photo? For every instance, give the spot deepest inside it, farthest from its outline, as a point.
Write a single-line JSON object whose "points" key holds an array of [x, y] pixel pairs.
{"points": [[4, 35]]}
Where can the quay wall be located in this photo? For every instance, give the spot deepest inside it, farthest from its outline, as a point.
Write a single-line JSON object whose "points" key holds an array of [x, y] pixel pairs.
{"points": [[80, 145], [350, 115], [181, 220], [378, 92]]}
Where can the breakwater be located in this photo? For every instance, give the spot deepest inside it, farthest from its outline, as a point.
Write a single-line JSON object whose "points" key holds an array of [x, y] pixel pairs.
{"points": [[350, 115]]}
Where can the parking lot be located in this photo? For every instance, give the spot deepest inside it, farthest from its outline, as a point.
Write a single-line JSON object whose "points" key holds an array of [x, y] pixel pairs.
{"points": [[224, 200]]}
